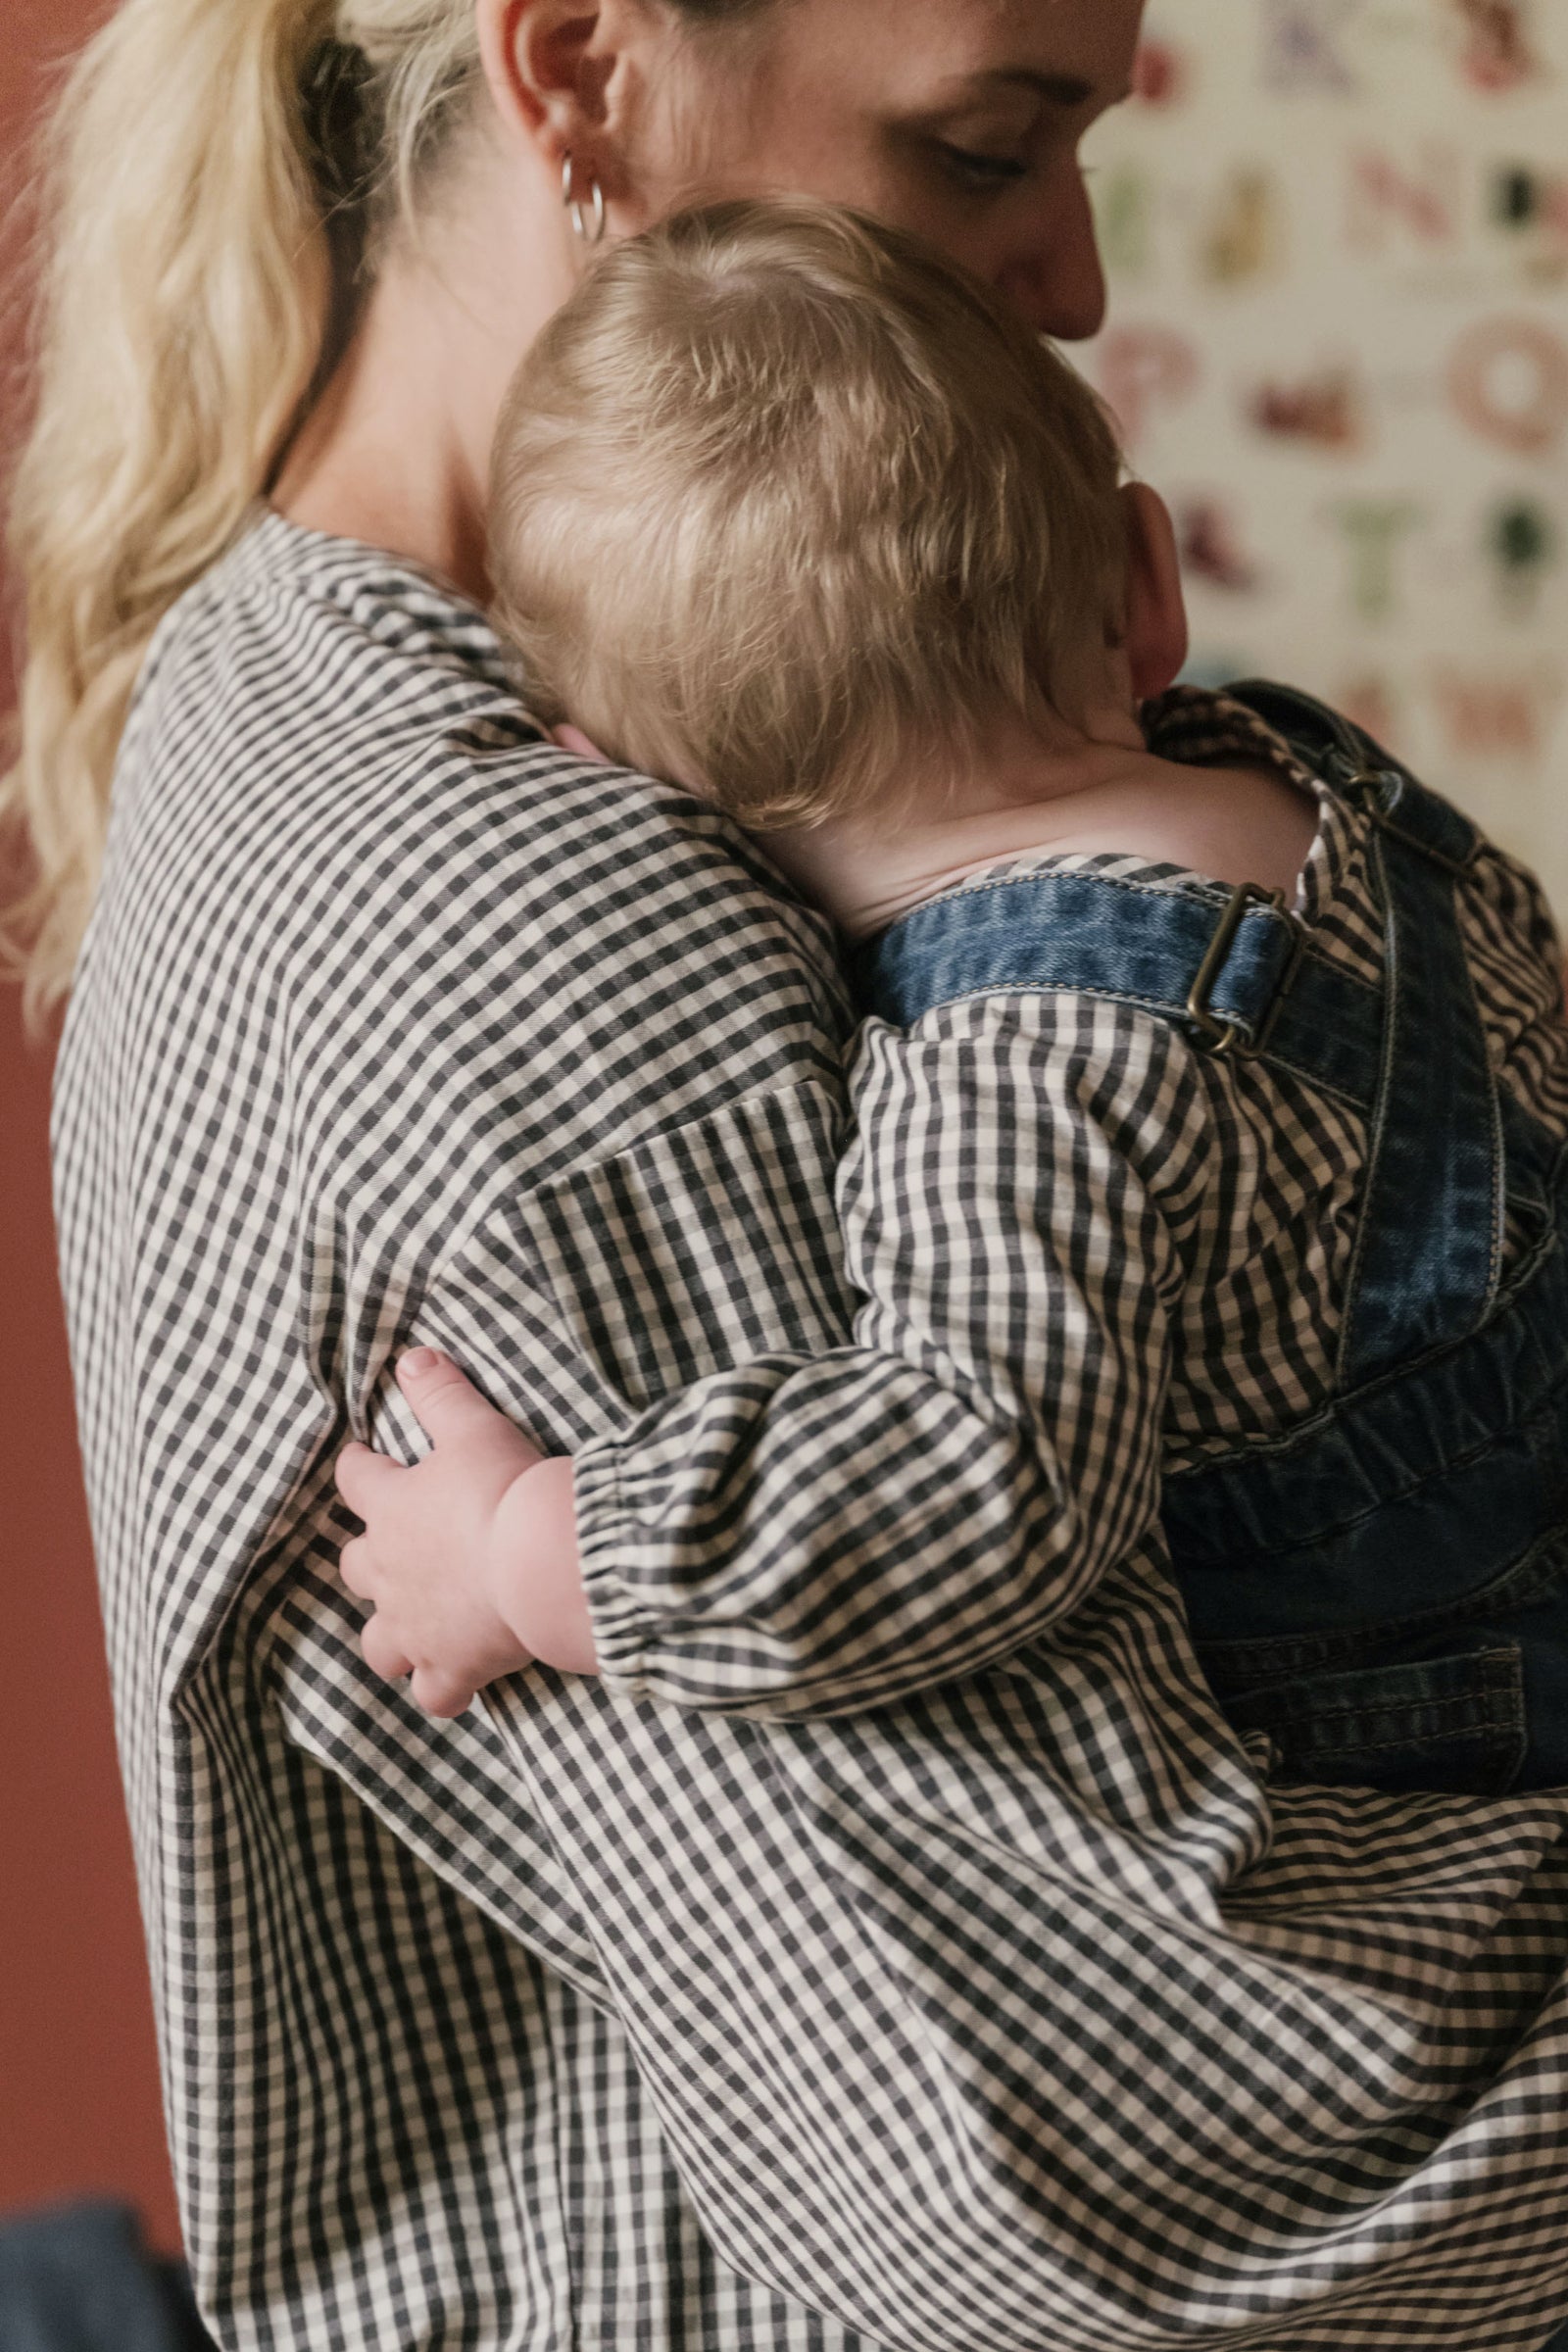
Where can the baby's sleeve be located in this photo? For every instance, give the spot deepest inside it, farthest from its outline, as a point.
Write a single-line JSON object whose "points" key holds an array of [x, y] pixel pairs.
{"points": [[831, 1533]]}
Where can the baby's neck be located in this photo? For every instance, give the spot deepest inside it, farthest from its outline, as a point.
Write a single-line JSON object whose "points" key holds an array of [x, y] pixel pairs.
{"points": [[1090, 793]]}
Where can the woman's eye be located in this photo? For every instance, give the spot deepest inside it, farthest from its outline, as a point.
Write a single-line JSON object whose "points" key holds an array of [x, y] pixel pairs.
{"points": [[978, 170]]}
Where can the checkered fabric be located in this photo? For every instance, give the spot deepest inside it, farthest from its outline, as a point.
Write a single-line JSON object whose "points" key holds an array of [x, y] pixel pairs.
{"points": [[896, 1925]]}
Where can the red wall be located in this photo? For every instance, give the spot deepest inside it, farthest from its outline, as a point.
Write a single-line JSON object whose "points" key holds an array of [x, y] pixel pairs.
{"points": [[79, 2085]]}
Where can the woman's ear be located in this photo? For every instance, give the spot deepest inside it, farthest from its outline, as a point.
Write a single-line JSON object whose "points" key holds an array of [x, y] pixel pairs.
{"points": [[548, 64], [1156, 639]]}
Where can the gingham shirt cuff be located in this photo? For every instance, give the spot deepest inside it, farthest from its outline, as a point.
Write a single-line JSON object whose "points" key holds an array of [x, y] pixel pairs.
{"points": [[622, 1627]]}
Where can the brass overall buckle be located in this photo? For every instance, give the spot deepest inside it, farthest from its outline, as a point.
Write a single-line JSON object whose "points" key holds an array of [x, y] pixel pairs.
{"points": [[1222, 1038]]}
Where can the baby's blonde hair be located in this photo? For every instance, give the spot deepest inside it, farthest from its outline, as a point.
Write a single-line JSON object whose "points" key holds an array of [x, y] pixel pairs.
{"points": [[782, 498]]}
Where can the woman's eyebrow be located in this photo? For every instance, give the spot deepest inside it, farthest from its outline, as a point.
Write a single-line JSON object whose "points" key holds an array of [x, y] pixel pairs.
{"points": [[1066, 90]]}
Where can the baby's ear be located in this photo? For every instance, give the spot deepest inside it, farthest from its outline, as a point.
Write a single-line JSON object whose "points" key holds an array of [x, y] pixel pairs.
{"points": [[1156, 639]]}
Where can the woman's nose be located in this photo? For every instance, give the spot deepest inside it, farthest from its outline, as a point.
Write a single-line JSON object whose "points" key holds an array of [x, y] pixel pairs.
{"points": [[1057, 278]]}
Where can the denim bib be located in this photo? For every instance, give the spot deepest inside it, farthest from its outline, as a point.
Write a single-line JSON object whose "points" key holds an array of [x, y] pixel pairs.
{"points": [[1383, 1589]]}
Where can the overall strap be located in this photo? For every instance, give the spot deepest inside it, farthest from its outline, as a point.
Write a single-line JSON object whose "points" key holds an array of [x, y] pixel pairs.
{"points": [[1429, 1246], [1231, 967]]}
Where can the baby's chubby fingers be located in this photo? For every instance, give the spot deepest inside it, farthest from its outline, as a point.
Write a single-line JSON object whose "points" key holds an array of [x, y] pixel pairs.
{"points": [[450, 1409], [382, 1652], [357, 1568], [366, 1478], [440, 1695]]}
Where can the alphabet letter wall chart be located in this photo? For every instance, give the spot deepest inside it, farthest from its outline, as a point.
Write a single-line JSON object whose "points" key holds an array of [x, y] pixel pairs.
{"points": [[1337, 238]]}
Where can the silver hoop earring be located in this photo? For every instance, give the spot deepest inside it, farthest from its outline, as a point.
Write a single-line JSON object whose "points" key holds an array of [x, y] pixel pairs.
{"points": [[587, 220]]}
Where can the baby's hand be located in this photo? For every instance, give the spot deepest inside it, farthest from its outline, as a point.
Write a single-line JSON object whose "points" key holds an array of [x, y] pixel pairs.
{"points": [[471, 1558]]}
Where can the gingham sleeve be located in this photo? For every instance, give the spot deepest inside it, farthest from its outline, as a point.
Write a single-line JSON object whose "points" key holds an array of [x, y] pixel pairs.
{"points": [[819, 1536]]}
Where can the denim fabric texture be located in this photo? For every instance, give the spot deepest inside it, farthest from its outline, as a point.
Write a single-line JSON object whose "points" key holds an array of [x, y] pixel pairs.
{"points": [[77, 2279], [1383, 1590], [1100, 935], [1430, 1233]]}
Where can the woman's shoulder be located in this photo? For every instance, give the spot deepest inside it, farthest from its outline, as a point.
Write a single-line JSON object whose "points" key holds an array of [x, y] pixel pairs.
{"points": [[295, 637], [338, 836], [371, 957], [314, 703]]}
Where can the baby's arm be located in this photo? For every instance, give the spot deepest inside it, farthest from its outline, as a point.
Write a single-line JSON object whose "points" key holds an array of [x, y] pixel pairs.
{"points": [[1009, 1212], [1012, 1213]]}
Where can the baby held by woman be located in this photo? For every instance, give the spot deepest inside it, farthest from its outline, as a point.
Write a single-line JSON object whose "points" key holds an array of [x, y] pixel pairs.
{"points": [[1261, 1039]]}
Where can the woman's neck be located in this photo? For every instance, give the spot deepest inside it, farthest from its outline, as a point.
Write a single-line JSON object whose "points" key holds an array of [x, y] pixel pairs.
{"points": [[397, 450]]}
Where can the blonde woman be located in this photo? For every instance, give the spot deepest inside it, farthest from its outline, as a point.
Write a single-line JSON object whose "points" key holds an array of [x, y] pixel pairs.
{"points": [[392, 1022]]}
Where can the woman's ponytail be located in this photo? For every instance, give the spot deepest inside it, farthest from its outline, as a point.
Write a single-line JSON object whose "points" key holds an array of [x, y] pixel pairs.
{"points": [[213, 168], [183, 301]]}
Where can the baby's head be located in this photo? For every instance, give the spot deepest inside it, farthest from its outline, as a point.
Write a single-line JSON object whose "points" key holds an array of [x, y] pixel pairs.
{"points": [[786, 505]]}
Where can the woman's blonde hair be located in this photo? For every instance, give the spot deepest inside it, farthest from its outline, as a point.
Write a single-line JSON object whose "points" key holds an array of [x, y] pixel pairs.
{"points": [[212, 170], [782, 498], [186, 289]]}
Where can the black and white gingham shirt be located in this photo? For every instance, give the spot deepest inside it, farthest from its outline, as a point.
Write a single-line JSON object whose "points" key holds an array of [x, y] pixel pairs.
{"points": [[896, 1925]]}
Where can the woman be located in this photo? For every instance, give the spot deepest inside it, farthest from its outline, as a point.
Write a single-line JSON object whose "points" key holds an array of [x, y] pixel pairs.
{"points": [[391, 1020]]}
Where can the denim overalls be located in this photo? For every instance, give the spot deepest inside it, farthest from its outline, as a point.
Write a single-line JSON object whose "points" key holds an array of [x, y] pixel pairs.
{"points": [[1384, 1587]]}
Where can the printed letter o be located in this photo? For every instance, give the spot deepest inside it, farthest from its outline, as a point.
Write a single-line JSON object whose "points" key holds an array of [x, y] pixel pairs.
{"points": [[1528, 415]]}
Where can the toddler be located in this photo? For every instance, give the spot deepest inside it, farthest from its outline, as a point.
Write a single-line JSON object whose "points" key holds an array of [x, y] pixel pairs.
{"points": [[1213, 1065]]}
